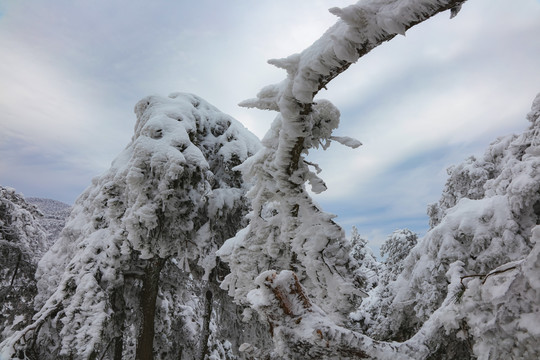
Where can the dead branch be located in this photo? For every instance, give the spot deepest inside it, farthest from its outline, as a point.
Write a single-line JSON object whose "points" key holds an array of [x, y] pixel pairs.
{"points": [[485, 276]]}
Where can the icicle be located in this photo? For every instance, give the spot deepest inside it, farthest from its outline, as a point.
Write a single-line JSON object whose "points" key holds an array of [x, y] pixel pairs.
{"points": [[347, 141]]}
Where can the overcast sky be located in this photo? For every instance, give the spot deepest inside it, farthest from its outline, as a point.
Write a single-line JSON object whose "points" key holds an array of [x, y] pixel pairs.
{"points": [[71, 72]]}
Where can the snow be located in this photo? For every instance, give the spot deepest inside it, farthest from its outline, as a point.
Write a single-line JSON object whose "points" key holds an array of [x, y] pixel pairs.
{"points": [[172, 193], [477, 265], [23, 240], [288, 231]]}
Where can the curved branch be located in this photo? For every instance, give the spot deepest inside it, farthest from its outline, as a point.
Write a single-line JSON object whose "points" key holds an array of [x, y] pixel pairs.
{"points": [[363, 26], [305, 331]]}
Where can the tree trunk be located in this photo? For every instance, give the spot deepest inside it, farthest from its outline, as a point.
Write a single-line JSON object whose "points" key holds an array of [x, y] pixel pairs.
{"points": [[145, 341], [118, 304], [205, 334]]}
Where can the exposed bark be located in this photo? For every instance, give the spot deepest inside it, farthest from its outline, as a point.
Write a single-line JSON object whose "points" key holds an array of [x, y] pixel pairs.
{"points": [[119, 309], [205, 334], [309, 334], [149, 292]]}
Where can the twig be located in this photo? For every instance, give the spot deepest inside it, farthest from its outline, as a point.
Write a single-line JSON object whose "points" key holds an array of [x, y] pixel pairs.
{"points": [[485, 276]]}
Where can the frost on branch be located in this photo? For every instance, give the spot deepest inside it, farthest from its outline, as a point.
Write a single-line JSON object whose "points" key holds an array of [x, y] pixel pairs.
{"points": [[135, 265], [302, 330], [369, 270], [287, 230]]}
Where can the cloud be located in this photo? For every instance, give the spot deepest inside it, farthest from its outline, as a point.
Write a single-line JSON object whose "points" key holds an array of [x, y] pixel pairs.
{"points": [[422, 103], [73, 71]]}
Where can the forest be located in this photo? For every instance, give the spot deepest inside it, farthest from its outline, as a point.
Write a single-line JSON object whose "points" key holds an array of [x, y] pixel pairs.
{"points": [[203, 242]]}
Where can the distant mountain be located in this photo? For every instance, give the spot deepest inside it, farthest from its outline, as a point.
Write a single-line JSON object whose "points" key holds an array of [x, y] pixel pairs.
{"points": [[54, 216]]}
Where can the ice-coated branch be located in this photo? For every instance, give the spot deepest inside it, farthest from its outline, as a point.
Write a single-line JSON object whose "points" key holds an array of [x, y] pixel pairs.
{"points": [[362, 27], [302, 330], [287, 229]]}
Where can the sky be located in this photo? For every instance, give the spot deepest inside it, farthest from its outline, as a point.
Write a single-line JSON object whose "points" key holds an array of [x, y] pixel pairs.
{"points": [[72, 71]]}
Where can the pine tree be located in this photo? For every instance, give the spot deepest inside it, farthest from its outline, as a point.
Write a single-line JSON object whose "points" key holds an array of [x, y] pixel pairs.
{"points": [[369, 269], [372, 315], [134, 273]]}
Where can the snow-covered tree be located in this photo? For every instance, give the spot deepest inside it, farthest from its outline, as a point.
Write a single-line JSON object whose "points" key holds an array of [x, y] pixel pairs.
{"points": [[55, 214], [134, 273], [374, 310], [22, 243], [369, 269], [486, 229], [287, 230], [395, 249]]}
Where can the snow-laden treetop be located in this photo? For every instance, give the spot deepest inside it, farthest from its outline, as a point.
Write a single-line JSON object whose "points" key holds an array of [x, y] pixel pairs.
{"points": [[170, 194]]}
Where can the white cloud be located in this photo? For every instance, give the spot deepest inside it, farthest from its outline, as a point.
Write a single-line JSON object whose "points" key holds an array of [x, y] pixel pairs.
{"points": [[72, 72], [453, 85], [405, 105]]}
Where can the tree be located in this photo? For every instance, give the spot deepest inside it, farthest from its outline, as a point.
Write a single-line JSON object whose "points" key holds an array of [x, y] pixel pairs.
{"points": [[372, 316], [369, 269], [479, 256], [469, 288], [22, 242], [138, 252], [396, 248], [300, 265], [287, 231]]}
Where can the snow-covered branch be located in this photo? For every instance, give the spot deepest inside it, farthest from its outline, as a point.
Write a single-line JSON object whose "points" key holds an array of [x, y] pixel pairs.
{"points": [[287, 229], [303, 330]]}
